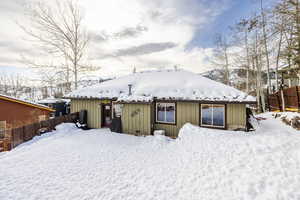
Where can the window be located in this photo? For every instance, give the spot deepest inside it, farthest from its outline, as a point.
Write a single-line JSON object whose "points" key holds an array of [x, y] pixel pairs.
{"points": [[2, 125], [213, 115], [165, 113], [2, 129], [42, 118]]}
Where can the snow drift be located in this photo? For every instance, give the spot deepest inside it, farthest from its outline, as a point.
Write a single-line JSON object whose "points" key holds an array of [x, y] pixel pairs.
{"points": [[201, 164]]}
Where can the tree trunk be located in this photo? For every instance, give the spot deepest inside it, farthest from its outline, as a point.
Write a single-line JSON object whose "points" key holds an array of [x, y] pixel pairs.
{"points": [[265, 45], [282, 100], [248, 62], [227, 68], [76, 76], [277, 58], [298, 31]]}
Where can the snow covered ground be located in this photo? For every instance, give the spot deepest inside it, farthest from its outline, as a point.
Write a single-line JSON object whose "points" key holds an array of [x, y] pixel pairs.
{"points": [[200, 164]]}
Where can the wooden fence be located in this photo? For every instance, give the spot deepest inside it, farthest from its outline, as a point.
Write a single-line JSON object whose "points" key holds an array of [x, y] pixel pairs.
{"points": [[22, 134], [285, 100]]}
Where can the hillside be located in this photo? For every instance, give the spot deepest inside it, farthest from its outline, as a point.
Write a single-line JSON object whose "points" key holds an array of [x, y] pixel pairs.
{"points": [[237, 77]]}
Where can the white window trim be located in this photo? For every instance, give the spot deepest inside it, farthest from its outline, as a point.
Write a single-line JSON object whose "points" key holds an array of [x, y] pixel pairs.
{"points": [[165, 122], [212, 114]]}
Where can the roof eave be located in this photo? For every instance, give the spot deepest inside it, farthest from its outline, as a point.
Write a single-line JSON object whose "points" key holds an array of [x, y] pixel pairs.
{"points": [[26, 103], [167, 99]]}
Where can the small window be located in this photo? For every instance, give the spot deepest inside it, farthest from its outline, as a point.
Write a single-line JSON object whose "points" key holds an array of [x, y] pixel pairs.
{"points": [[117, 110], [2, 125], [42, 118], [165, 113], [2, 129], [213, 115]]}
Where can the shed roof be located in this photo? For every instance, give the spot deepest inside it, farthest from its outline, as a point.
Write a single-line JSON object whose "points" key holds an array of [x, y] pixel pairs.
{"points": [[164, 84], [27, 103]]}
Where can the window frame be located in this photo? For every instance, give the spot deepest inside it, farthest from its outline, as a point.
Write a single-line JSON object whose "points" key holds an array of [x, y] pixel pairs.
{"points": [[165, 122], [3, 129], [3, 125], [42, 117], [113, 109], [213, 126]]}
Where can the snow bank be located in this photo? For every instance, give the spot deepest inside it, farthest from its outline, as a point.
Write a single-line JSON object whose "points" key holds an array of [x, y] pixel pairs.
{"points": [[289, 115], [201, 164], [66, 128], [166, 84], [289, 118]]}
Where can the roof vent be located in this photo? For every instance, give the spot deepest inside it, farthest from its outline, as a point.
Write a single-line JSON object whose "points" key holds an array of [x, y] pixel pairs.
{"points": [[129, 89]]}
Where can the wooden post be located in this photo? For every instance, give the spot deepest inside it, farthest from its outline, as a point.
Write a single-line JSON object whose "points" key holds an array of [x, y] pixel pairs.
{"points": [[278, 99], [282, 100], [268, 102], [298, 98]]}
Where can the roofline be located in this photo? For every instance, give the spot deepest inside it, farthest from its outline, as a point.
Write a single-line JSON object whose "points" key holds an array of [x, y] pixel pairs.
{"points": [[210, 101], [188, 101], [26, 103], [170, 100], [91, 98]]}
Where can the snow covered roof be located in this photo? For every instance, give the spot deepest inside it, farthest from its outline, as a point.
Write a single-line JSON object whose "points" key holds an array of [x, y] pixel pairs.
{"points": [[165, 84], [28, 103], [53, 100]]}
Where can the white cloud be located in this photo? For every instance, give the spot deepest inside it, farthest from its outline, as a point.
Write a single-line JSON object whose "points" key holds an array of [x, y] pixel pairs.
{"points": [[141, 33]]}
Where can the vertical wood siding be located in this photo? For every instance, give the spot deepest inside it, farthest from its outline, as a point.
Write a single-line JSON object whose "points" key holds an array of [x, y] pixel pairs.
{"points": [[136, 119], [236, 116], [93, 111], [186, 112]]}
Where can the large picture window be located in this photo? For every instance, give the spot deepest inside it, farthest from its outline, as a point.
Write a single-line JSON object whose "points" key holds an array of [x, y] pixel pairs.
{"points": [[213, 115], [165, 113]]}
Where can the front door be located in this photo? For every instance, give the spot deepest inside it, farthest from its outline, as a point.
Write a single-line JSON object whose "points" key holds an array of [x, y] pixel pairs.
{"points": [[106, 115]]}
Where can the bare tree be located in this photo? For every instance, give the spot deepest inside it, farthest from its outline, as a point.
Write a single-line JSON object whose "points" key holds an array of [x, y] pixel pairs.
{"points": [[12, 84], [290, 11], [221, 57], [4, 84], [59, 30], [271, 38], [278, 25], [242, 28], [265, 42]]}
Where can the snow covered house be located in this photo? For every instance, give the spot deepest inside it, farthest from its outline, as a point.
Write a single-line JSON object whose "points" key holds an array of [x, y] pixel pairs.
{"points": [[162, 100]]}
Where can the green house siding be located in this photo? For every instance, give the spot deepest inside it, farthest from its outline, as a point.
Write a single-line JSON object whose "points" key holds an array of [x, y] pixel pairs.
{"points": [[236, 116], [186, 112], [139, 119], [190, 113], [136, 119], [93, 111]]}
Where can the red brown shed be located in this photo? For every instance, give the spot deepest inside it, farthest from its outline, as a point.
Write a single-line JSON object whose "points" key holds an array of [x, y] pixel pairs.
{"points": [[15, 113]]}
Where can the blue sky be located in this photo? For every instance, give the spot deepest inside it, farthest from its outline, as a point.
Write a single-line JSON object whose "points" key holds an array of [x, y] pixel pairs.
{"points": [[237, 10]]}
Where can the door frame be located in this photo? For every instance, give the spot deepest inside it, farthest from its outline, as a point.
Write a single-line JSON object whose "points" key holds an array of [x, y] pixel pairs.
{"points": [[103, 110]]}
